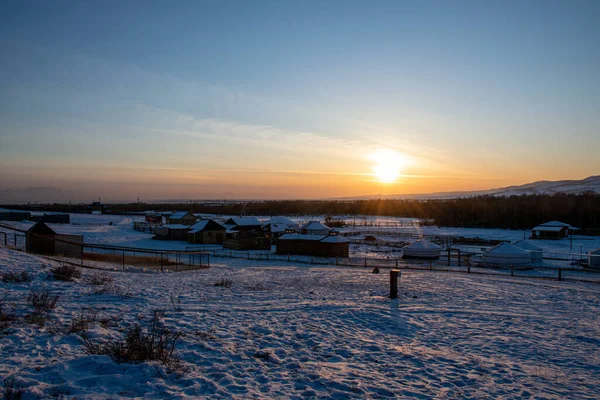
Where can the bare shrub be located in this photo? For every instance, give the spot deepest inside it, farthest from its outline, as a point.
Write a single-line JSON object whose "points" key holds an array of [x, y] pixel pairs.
{"points": [[16, 277], [65, 272], [263, 355], [224, 282], [99, 278], [7, 317], [154, 344], [81, 322], [42, 300], [175, 301], [11, 390]]}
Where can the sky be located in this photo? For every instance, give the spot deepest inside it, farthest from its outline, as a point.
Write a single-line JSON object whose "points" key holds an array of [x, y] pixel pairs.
{"points": [[295, 99]]}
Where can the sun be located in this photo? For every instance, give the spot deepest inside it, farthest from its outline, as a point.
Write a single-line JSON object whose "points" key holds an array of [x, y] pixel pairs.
{"points": [[388, 165]]}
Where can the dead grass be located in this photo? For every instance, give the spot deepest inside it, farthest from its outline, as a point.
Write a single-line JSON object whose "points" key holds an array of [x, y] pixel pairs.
{"points": [[129, 259]]}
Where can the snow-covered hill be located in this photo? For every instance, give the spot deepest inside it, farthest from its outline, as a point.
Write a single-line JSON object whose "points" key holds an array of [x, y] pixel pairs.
{"points": [[288, 331]]}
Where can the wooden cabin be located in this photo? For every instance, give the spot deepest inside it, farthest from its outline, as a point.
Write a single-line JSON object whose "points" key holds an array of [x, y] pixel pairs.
{"points": [[246, 233], [206, 231], [313, 245], [552, 230], [182, 218], [41, 239]]}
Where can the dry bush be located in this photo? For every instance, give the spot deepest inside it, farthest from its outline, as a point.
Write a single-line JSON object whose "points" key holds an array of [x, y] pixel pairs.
{"points": [[99, 278], [42, 300], [12, 391], [154, 344], [16, 277], [7, 317], [65, 272], [81, 322], [129, 259], [175, 301], [224, 283]]}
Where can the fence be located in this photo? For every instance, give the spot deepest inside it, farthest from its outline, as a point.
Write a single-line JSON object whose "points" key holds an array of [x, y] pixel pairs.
{"points": [[195, 257], [88, 254], [455, 261]]}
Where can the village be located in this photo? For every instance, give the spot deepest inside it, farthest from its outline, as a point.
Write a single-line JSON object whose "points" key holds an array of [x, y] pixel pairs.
{"points": [[327, 240]]}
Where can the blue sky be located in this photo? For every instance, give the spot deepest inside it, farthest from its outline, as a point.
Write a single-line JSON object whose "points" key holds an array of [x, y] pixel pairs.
{"points": [[291, 99]]}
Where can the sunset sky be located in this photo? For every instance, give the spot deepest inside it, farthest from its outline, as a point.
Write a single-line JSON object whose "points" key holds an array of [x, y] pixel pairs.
{"points": [[296, 99]]}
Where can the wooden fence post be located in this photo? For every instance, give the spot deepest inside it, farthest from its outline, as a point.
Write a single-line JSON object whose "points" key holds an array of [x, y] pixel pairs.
{"points": [[161, 263], [560, 274], [123, 259], [394, 283]]}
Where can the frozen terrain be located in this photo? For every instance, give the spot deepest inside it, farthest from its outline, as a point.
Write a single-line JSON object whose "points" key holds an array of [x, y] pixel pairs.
{"points": [[320, 332]]}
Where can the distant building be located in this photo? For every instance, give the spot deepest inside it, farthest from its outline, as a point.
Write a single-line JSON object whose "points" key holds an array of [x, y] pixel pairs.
{"points": [[315, 228], [245, 233], [552, 230], [171, 232], [51, 217], [206, 231], [14, 215], [41, 239], [97, 208], [313, 245], [182, 218], [154, 219]]}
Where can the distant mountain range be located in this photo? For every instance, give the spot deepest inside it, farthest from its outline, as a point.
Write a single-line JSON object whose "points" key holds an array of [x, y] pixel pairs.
{"points": [[591, 184]]}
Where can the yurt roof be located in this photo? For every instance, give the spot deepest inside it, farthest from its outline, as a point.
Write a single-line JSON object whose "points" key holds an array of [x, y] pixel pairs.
{"points": [[526, 245], [423, 244], [507, 248], [335, 239]]}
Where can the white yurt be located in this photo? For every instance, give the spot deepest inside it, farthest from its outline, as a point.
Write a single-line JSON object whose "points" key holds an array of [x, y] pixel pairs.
{"points": [[536, 252], [422, 249], [315, 228], [594, 258], [508, 255]]}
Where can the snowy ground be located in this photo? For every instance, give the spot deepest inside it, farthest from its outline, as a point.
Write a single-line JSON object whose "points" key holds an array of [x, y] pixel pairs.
{"points": [[330, 332]]}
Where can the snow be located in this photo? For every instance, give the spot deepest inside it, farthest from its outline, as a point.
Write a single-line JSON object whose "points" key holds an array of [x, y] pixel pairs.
{"points": [[329, 333], [423, 245], [315, 226]]}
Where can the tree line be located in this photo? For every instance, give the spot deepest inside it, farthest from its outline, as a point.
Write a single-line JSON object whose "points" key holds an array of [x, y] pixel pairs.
{"points": [[515, 212]]}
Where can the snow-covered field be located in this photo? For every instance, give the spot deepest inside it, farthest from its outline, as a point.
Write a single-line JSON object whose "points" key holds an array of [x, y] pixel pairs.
{"points": [[328, 333]]}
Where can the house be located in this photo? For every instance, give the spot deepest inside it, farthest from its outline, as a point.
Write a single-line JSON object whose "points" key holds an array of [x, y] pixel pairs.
{"points": [[281, 221], [181, 218], [171, 232], [154, 219], [552, 230], [243, 223], [97, 208], [245, 233], [206, 231], [41, 239], [313, 245], [51, 217], [14, 215], [315, 228], [594, 259]]}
